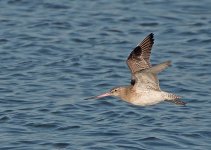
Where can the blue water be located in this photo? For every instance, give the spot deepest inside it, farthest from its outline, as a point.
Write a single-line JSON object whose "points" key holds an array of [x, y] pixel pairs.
{"points": [[55, 53]]}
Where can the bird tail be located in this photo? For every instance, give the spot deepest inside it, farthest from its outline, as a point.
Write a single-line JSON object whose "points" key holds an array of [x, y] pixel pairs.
{"points": [[170, 97], [160, 67]]}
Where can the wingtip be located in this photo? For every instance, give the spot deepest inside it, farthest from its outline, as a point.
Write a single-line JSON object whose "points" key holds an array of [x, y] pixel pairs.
{"points": [[151, 35]]}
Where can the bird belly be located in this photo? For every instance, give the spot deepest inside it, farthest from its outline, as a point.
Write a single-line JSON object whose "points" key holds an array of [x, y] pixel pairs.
{"points": [[148, 98]]}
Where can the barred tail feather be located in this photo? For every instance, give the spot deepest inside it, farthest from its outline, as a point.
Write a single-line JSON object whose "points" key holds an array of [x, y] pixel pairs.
{"points": [[169, 97]]}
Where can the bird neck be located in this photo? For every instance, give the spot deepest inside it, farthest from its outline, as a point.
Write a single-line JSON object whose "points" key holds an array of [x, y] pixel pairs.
{"points": [[124, 95]]}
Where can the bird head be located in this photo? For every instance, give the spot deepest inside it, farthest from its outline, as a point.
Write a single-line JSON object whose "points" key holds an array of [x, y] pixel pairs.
{"points": [[118, 91]]}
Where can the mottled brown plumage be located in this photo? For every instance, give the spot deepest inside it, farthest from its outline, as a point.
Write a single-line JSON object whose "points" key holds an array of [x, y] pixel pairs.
{"points": [[139, 58]]}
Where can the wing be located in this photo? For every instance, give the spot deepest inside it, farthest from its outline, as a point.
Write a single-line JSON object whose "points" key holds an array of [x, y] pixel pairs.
{"points": [[147, 79], [139, 58]]}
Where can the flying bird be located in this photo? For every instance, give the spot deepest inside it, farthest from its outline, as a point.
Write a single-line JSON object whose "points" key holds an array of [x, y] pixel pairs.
{"points": [[144, 88]]}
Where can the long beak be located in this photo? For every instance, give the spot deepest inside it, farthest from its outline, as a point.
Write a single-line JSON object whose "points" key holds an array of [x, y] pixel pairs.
{"points": [[99, 96]]}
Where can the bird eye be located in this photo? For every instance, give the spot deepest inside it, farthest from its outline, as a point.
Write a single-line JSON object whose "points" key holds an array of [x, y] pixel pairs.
{"points": [[114, 90]]}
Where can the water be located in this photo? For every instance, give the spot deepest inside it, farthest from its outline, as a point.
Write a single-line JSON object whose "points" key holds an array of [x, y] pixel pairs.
{"points": [[55, 53]]}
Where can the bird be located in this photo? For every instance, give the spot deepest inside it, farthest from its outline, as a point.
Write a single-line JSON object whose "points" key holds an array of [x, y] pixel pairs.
{"points": [[144, 88]]}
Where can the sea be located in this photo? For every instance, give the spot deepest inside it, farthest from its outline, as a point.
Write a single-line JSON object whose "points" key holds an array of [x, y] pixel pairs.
{"points": [[56, 53]]}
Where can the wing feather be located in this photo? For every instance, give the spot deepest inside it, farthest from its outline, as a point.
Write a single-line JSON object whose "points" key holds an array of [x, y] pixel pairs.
{"points": [[139, 58], [147, 79]]}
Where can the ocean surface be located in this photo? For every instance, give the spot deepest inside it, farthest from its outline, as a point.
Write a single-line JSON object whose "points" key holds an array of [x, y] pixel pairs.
{"points": [[56, 53]]}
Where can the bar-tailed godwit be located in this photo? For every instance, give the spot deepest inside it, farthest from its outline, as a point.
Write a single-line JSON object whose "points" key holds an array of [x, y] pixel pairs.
{"points": [[144, 89]]}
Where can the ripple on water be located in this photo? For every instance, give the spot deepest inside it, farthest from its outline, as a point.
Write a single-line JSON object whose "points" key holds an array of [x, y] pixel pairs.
{"points": [[56, 53], [69, 127], [60, 145], [4, 119], [43, 125]]}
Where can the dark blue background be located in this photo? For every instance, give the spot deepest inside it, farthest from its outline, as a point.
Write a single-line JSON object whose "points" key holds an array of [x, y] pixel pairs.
{"points": [[55, 53]]}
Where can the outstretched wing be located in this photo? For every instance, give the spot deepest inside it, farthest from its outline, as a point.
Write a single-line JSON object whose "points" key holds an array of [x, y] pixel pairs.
{"points": [[147, 79], [139, 58]]}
